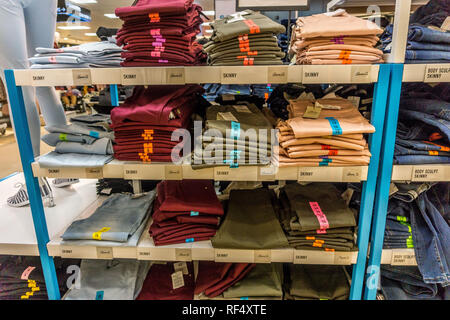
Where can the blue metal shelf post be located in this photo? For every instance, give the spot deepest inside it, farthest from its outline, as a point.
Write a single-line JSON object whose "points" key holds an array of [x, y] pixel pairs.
{"points": [[384, 182], [368, 191], [114, 95], [37, 209]]}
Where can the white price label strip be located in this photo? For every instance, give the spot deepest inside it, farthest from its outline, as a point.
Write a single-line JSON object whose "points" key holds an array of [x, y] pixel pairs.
{"points": [[403, 258], [437, 73]]}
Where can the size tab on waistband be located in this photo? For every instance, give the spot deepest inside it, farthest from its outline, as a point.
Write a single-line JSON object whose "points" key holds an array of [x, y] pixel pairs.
{"points": [[335, 126]]}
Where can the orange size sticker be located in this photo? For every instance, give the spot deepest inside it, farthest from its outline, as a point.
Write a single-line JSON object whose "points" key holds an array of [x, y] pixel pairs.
{"points": [[328, 249], [333, 152], [154, 17], [347, 61], [316, 244], [326, 147], [310, 238], [254, 28], [345, 54], [248, 61], [433, 153]]}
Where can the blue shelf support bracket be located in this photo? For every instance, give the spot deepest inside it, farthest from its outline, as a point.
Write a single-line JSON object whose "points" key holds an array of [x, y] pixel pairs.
{"points": [[114, 95], [34, 194], [369, 187], [383, 183]]}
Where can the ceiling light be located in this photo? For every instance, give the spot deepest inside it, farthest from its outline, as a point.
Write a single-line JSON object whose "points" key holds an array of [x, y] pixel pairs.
{"points": [[74, 27], [208, 13], [83, 1], [111, 15], [208, 31], [90, 34], [204, 24]]}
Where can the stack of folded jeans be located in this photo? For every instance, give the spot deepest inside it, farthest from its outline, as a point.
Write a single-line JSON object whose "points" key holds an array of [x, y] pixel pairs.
{"points": [[214, 90], [160, 33], [424, 45], [398, 232], [335, 38], [185, 211], [88, 55], [423, 134], [159, 283], [234, 135], [244, 38], [119, 221], [406, 283], [251, 222], [238, 281], [331, 136], [427, 42], [425, 208], [144, 124], [317, 283], [87, 142], [22, 278], [109, 280], [315, 217]]}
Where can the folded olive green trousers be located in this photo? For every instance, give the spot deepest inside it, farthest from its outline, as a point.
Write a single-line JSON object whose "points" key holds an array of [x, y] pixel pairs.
{"points": [[317, 282], [250, 222]]}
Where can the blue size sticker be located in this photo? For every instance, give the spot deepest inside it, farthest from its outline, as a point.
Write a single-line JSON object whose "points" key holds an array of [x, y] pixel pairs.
{"points": [[335, 126], [235, 130], [325, 162], [94, 134], [235, 154], [234, 165], [99, 295], [244, 298], [194, 213], [190, 240]]}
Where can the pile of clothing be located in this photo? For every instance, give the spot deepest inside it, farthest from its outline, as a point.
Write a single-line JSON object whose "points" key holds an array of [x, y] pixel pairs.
{"points": [[406, 283], [427, 42], [86, 142], [119, 221], [315, 217], [244, 38], [169, 281], [425, 210], [234, 135], [251, 222], [118, 279], [423, 131], [238, 281], [316, 283], [323, 132], [102, 54], [22, 278], [144, 123], [160, 33], [335, 38], [185, 211]]}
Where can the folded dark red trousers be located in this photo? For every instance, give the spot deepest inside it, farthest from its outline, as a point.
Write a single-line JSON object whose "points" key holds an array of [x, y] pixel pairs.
{"points": [[136, 157], [153, 47], [162, 7], [182, 240], [185, 236], [188, 219], [154, 104], [209, 274], [158, 284], [141, 148], [157, 56], [188, 195], [140, 126], [236, 273], [179, 229], [189, 32], [150, 38], [168, 21], [192, 9]]}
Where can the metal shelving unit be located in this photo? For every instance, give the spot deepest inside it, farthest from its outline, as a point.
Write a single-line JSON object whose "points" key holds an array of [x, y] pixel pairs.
{"points": [[378, 74]]}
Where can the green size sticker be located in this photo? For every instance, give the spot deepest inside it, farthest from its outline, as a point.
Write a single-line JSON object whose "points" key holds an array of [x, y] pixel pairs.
{"points": [[400, 218], [63, 136]]}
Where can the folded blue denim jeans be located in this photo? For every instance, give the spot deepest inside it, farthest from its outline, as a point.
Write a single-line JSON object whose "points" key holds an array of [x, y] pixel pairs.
{"points": [[405, 283], [402, 151], [420, 159], [117, 219], [408, 192], [438, 108], [427, 55], [425, 34], [431, 235], [414, 45], [439, 124], [418, 145]]}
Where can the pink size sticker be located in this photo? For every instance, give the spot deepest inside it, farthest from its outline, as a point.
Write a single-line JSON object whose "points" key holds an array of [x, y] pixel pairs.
{"points": [[26, 273], [157, 44], [52, 59], [156, 54], [60, 50], [321, 217], [163, 61]]}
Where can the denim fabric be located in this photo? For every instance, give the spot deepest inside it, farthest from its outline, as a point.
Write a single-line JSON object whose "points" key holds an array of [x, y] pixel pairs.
{"points": [[424, 61], [427, 54], [121, 213], [395, 227], [424, 34], [405, 283], [439, 195], [408, 192], [440, 124], [402, 151], [431, 236], [419, 145], [414, 130], [413, 45], [53, 138], [433, 13], [418, 159], [438, 108]]}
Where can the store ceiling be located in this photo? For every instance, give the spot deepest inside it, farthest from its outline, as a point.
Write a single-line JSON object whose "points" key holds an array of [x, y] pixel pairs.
{"points": [[98, 11]]}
